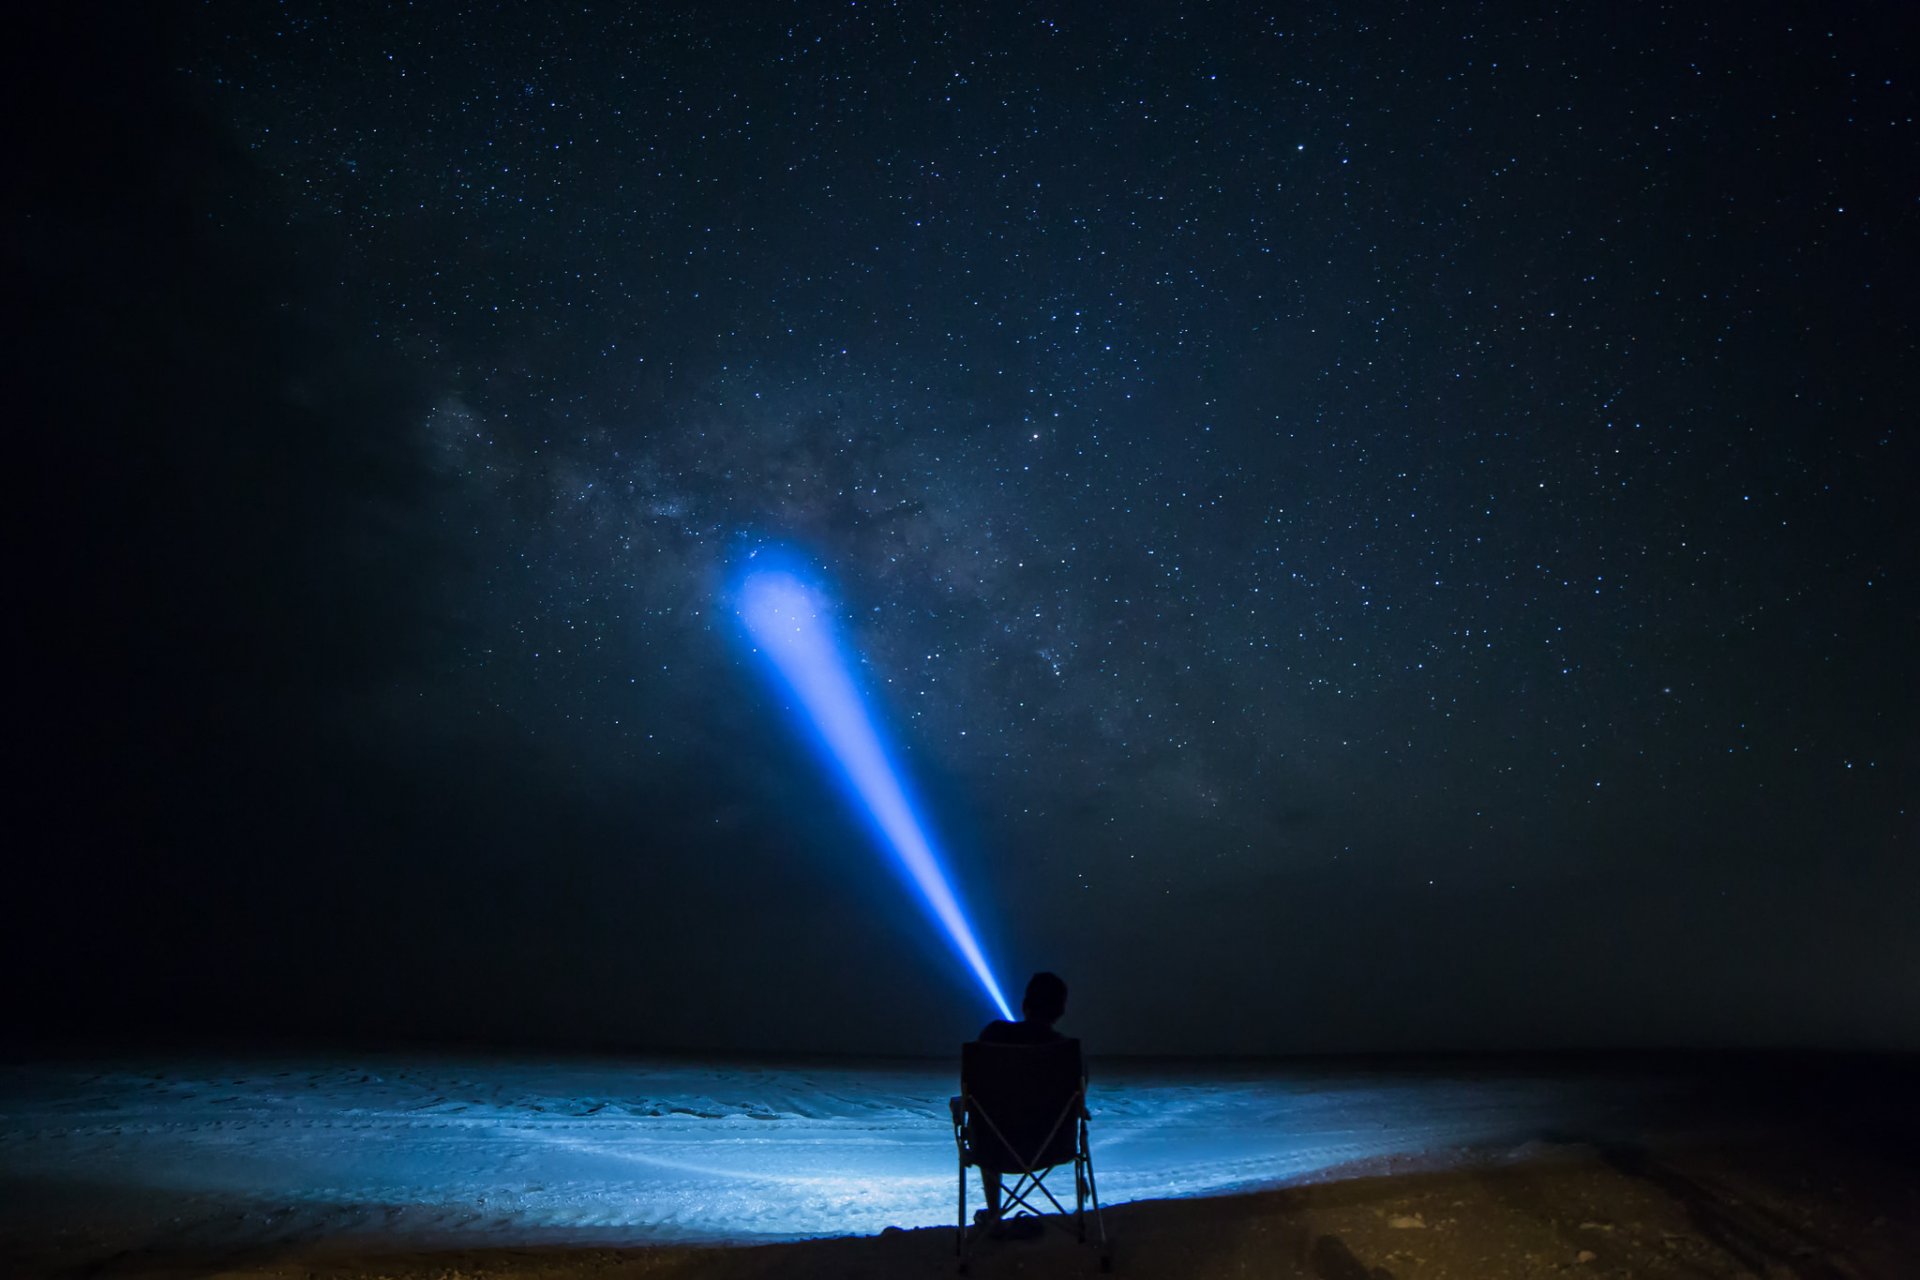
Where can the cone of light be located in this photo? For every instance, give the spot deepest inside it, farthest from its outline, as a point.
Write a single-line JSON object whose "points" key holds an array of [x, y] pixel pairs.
{"points": [[789, 624]]}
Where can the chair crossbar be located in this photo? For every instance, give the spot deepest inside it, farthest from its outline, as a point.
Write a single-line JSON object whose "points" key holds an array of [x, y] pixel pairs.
{"points": [[1018, 1195], [1079, 1099]]}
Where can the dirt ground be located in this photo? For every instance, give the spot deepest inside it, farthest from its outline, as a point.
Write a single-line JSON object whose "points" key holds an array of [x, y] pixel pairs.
{"points": [[1551, 1209]]}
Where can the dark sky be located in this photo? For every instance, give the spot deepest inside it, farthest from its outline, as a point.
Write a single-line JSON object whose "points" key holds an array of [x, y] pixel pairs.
{"points": [[1367, 530]]}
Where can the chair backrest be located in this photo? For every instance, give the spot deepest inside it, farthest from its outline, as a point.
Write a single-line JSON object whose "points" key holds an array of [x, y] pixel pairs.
{"points": [[1022, 1102]]}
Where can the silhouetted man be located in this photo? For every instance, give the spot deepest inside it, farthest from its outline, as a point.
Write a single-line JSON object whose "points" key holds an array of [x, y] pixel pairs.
{"points": [[1042, 1006]]}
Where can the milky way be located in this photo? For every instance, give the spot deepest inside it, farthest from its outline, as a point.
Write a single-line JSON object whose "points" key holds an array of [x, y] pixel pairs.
{"points": [[1395, 523]]}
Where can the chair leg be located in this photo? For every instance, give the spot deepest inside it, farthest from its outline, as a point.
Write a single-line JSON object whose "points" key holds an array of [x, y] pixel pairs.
{"points": [[1079, 1200], [960, 1231], [1093, 1194]]}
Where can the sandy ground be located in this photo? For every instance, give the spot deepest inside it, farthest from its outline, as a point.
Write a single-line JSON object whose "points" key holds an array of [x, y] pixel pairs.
{"points": [[328, 1170], [1574, 1211]]}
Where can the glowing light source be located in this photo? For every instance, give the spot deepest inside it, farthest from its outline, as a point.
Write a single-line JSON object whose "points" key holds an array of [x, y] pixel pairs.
{"points": [[789, 623]]}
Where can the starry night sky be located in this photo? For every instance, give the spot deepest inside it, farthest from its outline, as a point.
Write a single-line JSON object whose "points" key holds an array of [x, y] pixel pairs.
{"points": [[1369, 530]]}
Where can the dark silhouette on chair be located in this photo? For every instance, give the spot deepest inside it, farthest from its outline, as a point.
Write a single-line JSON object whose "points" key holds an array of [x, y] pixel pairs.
{"points": [[1022, 1112], [1044, 1004]]}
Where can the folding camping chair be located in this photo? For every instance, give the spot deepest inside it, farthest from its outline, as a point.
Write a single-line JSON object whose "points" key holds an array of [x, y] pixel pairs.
{"points": [[1022, 1111]]}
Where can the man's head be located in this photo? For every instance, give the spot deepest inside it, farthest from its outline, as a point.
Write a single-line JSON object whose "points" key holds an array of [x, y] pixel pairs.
{"points": [[1046, 999]]}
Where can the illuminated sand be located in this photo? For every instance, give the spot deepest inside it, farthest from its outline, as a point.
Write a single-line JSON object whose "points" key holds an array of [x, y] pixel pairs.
{"points": [[442, 1153]]}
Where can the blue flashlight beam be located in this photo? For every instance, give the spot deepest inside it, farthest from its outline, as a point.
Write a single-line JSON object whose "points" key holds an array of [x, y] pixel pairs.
{"points": [[788, 622]]}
